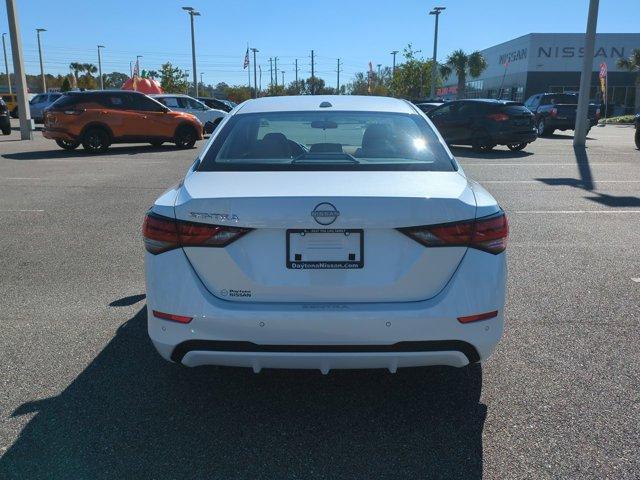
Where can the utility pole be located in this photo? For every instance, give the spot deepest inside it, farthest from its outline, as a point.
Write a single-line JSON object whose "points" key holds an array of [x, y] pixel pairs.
{"points": [[6, 64], [260, 84], [255, 71], [44, 82], [271, 72], [18, 71], [100, 67], [434, 68], [338, 79], [582, 122], [192, 13], [313, 74], [379, 72], [282, 71], [275, 69]]}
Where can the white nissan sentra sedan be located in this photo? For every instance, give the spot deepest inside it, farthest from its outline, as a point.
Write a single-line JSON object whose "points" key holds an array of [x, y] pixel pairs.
{"points": [[325, 232]]}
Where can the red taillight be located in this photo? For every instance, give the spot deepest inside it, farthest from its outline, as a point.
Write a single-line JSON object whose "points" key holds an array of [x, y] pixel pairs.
{"points": [[478, 317], [553, 112], [172, 317], [498, 117], [487, 233], [164, 233]]}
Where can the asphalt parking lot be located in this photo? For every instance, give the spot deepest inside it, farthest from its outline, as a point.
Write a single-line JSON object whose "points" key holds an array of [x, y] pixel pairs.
{"points": [[85, 396]]}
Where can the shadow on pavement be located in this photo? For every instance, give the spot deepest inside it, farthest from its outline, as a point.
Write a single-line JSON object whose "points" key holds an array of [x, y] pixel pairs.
{"points": [[130, 414], [80, 153], [586, 182], [468, 152], [128, 301]]}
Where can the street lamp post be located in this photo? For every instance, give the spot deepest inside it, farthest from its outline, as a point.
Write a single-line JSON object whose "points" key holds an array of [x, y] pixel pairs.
{"points": [[255, 72], [138, 57], [192, 13], [44, 82], [100, 67], [434, 68], [18, 71], [6, 64], [580, 133]]}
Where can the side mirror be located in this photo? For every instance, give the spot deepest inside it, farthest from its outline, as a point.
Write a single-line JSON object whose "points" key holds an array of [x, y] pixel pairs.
{"points": [[165, 110]]}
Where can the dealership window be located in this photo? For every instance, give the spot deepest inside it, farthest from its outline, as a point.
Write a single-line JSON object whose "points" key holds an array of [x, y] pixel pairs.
{"points": [[474, 89]]}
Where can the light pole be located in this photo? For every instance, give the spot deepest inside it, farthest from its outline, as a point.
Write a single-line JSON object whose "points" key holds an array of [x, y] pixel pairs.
{"points": [[255, 72], [44, 83], [275, 69], [282, 71], [138, 57], [6, 64], [434, 68], [393, 70], [580, 134], [192, 13], [18, 71], [100, 67]]}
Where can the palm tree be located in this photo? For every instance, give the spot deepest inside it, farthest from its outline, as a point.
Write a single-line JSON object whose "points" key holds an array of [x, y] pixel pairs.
{"points": [[90, 68], [462, 64], [76, 68], [633, 65]]}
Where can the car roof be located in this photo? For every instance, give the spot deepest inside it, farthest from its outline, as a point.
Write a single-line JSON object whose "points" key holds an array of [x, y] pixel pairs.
{"points": [[297, 103], [170, 95]]}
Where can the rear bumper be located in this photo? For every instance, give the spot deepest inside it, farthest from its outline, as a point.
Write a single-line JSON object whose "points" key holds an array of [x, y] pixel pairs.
{"points": [[325, 336], [508, 138], [566, 123]]}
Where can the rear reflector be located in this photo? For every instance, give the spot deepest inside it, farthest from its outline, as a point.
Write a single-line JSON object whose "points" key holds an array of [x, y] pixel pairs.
{"points": [[488, 234], [480, 316], [172, 317], [164, 233]]}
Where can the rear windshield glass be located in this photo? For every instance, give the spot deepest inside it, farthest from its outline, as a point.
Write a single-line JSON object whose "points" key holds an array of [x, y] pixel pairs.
{"points": [[326, 141], [563, 99]]}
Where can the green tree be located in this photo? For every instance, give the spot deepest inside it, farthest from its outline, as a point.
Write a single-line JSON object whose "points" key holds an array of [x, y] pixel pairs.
{"points": [[76, 68], [173, 79], [633, 65], [66, 85], [238, 93], [463, 64], [114, 79]]}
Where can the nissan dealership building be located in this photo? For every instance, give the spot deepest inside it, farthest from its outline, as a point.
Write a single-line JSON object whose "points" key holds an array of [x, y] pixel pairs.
{"points": [[552, 62]]}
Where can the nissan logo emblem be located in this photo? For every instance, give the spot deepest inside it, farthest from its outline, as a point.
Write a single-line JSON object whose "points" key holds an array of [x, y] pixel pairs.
{"points": [[325, 213]]}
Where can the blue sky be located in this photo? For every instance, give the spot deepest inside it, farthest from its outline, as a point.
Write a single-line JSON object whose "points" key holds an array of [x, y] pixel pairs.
{"points": [[357, 31]]}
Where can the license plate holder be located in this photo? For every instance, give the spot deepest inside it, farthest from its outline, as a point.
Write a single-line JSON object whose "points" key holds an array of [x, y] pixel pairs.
{"points": [[325, 249]]}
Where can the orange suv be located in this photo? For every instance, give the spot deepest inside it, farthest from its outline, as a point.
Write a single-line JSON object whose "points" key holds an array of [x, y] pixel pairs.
{"points": [[96, 119]]}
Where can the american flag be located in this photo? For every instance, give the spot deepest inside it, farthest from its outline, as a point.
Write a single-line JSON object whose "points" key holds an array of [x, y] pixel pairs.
{"points": [[246, 59]]}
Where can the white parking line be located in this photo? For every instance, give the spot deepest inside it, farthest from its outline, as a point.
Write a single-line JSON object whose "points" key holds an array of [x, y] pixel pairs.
{"points": [[21, 178], [540, 181], [574, 211], [23, 210], [524, 164], [636, 279]]}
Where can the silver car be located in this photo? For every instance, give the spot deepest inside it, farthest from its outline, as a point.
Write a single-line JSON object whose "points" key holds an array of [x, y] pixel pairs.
{"points": [[38, 103]]}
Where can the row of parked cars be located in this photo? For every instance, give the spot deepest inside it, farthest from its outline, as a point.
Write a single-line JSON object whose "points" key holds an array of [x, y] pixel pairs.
{"points": [[485, 123], [96, 119]]}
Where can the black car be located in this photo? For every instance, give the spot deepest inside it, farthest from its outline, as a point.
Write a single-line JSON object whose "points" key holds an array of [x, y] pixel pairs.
{"points": [[5, 121], [216, 103], [426, 107], [557, 111], [485, 123], [637, 124]]}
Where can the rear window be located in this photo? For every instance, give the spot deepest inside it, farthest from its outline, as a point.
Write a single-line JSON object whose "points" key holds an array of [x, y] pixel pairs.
{"points": [[514, 109], [561, 98], [326, 141]]}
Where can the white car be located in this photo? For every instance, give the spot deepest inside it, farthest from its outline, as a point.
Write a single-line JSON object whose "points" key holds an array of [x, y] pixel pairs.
{"points": [[210, 117], [325, 232]]}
